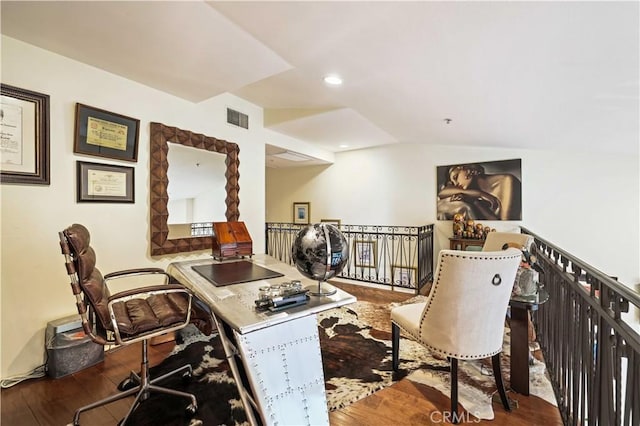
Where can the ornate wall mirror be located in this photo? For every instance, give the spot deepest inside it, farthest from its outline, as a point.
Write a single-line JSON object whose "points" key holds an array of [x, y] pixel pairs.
{"points": [[161, 136]]}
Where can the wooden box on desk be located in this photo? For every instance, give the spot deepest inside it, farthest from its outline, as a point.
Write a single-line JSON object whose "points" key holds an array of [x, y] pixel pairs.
{"points": [[231, 239]]}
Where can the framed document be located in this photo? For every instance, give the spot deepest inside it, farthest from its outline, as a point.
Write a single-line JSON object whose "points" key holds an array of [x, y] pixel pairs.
{"points": [[365, 253], [403, 276], [105, 183], [301, 212], [105, 134], [334, 222], [24, 136]]}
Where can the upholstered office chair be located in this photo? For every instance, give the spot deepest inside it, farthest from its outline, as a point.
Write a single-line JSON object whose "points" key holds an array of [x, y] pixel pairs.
{"points": [[135, 315], [463, 316], [495, 241]]}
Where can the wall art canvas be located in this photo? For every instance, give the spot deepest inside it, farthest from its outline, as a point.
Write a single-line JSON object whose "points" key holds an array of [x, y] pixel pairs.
{"points": [[481, 191]]}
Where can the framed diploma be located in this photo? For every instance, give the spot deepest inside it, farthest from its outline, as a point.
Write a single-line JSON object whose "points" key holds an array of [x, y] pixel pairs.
{"points": [[105, 183], [105, 134], [24, 136]]}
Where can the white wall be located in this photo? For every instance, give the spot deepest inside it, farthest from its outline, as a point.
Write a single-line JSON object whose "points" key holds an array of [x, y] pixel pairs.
{"points": [[34, 286], [587, 204]]}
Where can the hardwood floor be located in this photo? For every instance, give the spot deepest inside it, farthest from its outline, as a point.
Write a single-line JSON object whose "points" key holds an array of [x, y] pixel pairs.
{"points": [[48, 402]]}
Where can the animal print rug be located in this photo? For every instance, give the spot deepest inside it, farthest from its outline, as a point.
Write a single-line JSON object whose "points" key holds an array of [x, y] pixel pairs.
{"points": [[356, 351]]}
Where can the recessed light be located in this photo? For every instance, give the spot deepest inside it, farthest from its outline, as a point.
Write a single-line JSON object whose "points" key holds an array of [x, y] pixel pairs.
{"points": [[333, 80], [344, 146]]}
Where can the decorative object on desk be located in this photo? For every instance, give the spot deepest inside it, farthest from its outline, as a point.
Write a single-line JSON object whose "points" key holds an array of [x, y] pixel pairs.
{"points": [[320, 252], [356, 346], [222, 274], [231, 239], [301, 212], [277, 297], [105, 134], [25, 136]]}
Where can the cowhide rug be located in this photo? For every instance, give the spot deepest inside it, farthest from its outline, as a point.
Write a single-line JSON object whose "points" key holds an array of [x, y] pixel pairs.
{"points": [[356, 351]]}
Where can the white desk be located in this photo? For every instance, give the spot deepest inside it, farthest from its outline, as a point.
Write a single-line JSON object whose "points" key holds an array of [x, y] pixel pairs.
{"points": [[280, 377]]}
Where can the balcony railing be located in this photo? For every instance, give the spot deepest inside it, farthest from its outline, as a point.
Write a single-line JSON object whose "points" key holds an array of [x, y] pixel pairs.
{"points": [[395, 256], [587, 336]]}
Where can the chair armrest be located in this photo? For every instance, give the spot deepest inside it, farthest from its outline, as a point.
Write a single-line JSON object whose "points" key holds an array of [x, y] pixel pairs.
{"points": [[135, 278], [137, 271], [147, 291]]}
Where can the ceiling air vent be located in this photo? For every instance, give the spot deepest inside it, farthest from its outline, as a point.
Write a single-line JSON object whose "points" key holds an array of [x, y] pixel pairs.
{"points": [[237, 118]]}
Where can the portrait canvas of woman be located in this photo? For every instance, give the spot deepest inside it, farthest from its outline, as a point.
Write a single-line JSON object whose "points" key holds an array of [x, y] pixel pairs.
{"points": [[483, 191]]}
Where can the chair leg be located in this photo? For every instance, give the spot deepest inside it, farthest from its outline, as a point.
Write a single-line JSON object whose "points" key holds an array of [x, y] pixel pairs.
{"points": [[395, 346], [454, 390], [497, 374], [142, 390]]}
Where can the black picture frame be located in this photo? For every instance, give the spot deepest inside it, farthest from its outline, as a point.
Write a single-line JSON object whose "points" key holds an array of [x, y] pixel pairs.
{"points": [[24, 117], [104, 183], [106, 134]]}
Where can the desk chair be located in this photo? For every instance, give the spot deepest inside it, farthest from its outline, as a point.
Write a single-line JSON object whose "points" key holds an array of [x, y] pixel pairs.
{"points": [[130, 316], [463, 316], [495, 241]]}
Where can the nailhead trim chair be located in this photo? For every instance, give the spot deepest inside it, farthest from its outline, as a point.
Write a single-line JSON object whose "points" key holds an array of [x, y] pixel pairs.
{"points": [[134, 315], [463, 316], [495, 241]]}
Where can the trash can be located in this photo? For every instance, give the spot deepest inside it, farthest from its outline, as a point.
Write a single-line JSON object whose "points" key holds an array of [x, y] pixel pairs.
{"points": [[69, 350]]}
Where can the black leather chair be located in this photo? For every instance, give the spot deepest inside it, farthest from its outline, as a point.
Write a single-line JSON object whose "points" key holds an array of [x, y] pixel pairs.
{"points": [[130, 316]]}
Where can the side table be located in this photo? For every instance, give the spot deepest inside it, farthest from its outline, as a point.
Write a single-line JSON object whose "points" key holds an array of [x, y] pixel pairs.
{"points": [[519, 323], [459, 243]]}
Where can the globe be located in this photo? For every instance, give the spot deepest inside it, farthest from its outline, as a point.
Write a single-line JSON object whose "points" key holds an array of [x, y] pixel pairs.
{"points": [[320, 252]]}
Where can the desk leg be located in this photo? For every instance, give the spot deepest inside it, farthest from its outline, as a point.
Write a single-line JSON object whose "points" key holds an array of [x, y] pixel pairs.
{"points": [[250, 407], [284, 368], [519, 350]]}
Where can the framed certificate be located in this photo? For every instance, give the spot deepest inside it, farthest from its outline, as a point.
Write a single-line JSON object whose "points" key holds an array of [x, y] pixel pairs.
{"points": [[105, 134], [24, 132], [105, 183]]}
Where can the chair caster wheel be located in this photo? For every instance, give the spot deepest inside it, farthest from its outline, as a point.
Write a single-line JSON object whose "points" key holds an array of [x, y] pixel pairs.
{"points": [[127, 384], [191, 409]]}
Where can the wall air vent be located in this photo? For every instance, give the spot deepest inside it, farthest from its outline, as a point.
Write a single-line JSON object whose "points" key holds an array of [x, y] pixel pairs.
{"points": [[292, 156], [237, 118]]}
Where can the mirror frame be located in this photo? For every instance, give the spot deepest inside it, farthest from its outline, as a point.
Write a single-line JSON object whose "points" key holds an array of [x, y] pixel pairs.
{"points": [[160, 135]]}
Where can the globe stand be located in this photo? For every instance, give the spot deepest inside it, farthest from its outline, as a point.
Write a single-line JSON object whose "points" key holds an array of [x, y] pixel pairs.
{"points": [[323, 289]]}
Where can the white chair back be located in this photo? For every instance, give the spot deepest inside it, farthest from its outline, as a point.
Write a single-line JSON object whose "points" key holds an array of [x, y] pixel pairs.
{"points": [[465, 312], [495, 240]]}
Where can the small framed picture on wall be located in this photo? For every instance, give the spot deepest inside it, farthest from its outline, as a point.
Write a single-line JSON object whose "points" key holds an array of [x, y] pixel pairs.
{"points": [[301, 212]]}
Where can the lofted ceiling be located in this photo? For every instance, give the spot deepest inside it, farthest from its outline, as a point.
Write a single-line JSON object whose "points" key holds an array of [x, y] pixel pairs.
{"points": [[532, 75]]}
